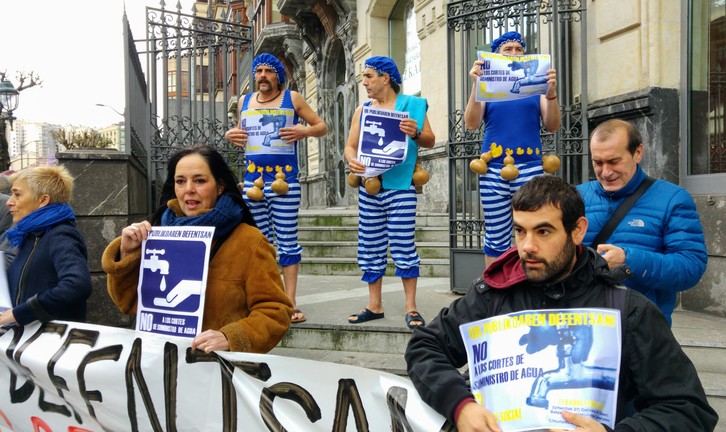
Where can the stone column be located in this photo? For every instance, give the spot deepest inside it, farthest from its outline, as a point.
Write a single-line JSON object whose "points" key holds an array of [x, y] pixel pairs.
{"points": [[110, 192]]}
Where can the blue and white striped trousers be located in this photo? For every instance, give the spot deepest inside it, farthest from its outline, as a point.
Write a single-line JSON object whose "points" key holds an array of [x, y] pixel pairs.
{"points": [[387, 218], [278, 214], [496, 202]]}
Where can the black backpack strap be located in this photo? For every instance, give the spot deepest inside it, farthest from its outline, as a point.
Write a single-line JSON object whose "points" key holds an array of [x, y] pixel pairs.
{"points": [[620, 212]]}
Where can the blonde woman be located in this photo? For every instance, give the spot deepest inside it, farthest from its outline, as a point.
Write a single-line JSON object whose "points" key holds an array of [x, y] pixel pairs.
{"points": [[49, 277]]}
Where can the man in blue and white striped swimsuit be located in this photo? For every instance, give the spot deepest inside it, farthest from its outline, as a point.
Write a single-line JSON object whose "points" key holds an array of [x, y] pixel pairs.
{"points": [[276, 213], [514, 126], [388, 218]]}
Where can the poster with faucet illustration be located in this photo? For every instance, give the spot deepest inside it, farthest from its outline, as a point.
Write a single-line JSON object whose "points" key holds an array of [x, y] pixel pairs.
{"points": [[263, 130], [381, 145], [511, 77], [173, 280], [526, 367]]}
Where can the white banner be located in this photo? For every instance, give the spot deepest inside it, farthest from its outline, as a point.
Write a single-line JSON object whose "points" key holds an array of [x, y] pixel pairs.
{"points": [[526, 367], [511, 77], [63, 376]]}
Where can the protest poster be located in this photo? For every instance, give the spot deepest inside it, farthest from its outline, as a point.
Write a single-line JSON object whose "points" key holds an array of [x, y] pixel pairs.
{"points": [[263, 131], [511, 77], [526, 367], [381, 145], [64, 376], [173, 280]]}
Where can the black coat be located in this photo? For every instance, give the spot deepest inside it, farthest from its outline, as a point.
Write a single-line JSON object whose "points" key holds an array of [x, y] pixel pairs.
{"points": [[655, 373]]}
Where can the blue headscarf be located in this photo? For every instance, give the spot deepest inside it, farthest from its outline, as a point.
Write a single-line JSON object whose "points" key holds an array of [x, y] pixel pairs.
{"points": [[384, 65], [270, 60], [508, 37]]}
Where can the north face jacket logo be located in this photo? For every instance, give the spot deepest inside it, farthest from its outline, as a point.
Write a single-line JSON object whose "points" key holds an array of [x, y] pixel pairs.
{"points": [[637, 223]]}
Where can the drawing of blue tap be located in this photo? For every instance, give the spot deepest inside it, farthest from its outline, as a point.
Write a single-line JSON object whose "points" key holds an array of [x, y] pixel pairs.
{"points": [[573, 346], [530, 74], [154, 263]]}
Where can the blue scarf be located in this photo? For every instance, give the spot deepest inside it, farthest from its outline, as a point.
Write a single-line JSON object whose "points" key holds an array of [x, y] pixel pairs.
{"points": [[43, 218], [225, 216]]}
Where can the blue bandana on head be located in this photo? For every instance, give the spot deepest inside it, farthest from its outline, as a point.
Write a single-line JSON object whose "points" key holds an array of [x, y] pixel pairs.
{"points": [[270, 60], [508, 37], [384, 65]]}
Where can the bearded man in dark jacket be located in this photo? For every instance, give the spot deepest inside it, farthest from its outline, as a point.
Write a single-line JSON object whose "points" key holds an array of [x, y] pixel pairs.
{"points": [[549, 268]]}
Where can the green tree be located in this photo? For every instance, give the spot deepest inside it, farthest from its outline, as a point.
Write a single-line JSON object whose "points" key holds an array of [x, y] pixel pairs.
{"points": [[25, 81]]}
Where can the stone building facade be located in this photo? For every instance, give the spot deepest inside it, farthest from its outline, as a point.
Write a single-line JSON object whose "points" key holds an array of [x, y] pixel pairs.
{"points": [[655, 63]]}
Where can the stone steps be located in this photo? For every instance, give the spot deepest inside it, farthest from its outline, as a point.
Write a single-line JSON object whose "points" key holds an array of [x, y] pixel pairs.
{"points": [[329, 238]]}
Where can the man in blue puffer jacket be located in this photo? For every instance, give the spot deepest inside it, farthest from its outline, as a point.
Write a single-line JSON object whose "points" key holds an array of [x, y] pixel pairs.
{"points": [[660, 239]]}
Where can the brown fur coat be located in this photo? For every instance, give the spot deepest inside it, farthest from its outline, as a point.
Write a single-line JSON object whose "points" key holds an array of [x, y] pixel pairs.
{"points": [[245, 298]]}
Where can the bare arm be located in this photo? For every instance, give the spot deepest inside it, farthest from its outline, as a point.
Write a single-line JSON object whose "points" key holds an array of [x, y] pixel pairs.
{"points": [[237, 135], [548, 104], [427, 139], [351, 146], [474, 113], [316, 126]]}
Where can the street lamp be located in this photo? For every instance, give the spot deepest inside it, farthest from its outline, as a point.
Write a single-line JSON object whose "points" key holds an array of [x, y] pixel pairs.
{"points": [[109, 106], [9, 99]]}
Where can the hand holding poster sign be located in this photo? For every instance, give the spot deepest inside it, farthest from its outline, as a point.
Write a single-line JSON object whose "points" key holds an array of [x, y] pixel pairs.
{"points": [[382, 145], [173, 279], [527, 367], [511, 77]]}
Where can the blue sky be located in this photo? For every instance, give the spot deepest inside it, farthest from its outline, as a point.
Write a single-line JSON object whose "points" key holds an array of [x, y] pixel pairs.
{"points": [[76, 46]]}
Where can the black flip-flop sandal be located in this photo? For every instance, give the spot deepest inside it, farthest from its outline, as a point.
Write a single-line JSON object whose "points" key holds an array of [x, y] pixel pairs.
{"points": [[364, 315]]}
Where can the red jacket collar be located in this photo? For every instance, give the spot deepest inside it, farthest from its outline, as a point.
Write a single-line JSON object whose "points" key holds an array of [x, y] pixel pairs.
{"points": [[506, 271]]}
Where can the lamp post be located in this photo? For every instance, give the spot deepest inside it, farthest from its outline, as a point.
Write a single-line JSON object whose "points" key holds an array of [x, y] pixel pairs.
{"points": [[112, 108], [9, 99]]}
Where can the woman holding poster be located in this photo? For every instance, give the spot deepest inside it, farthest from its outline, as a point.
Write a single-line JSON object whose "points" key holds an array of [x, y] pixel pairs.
{"points": [[511, 128], [245, 307], [388, 217], [49, 277]]}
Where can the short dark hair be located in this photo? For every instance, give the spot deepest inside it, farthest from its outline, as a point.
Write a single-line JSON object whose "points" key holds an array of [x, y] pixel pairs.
{"points": [[607, 128], [220, 170], [551, 190], [394, 85]]}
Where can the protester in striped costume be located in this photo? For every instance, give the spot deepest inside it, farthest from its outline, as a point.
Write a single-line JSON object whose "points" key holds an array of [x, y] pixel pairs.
{"points": [[276, 213], [388, 218]]}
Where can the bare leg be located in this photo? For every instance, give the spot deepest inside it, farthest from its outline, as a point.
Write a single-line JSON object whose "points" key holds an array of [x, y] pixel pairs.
{"points": [[409, 289], [488, 260], [375, 300], [289, 278], [375, 304]]}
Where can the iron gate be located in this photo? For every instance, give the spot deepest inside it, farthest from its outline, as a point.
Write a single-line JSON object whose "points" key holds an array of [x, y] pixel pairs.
{"points": [[193, 66], [555, 27]]}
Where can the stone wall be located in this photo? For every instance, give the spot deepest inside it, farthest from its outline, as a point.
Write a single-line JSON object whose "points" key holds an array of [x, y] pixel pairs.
{"points": [[109, 193]]}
